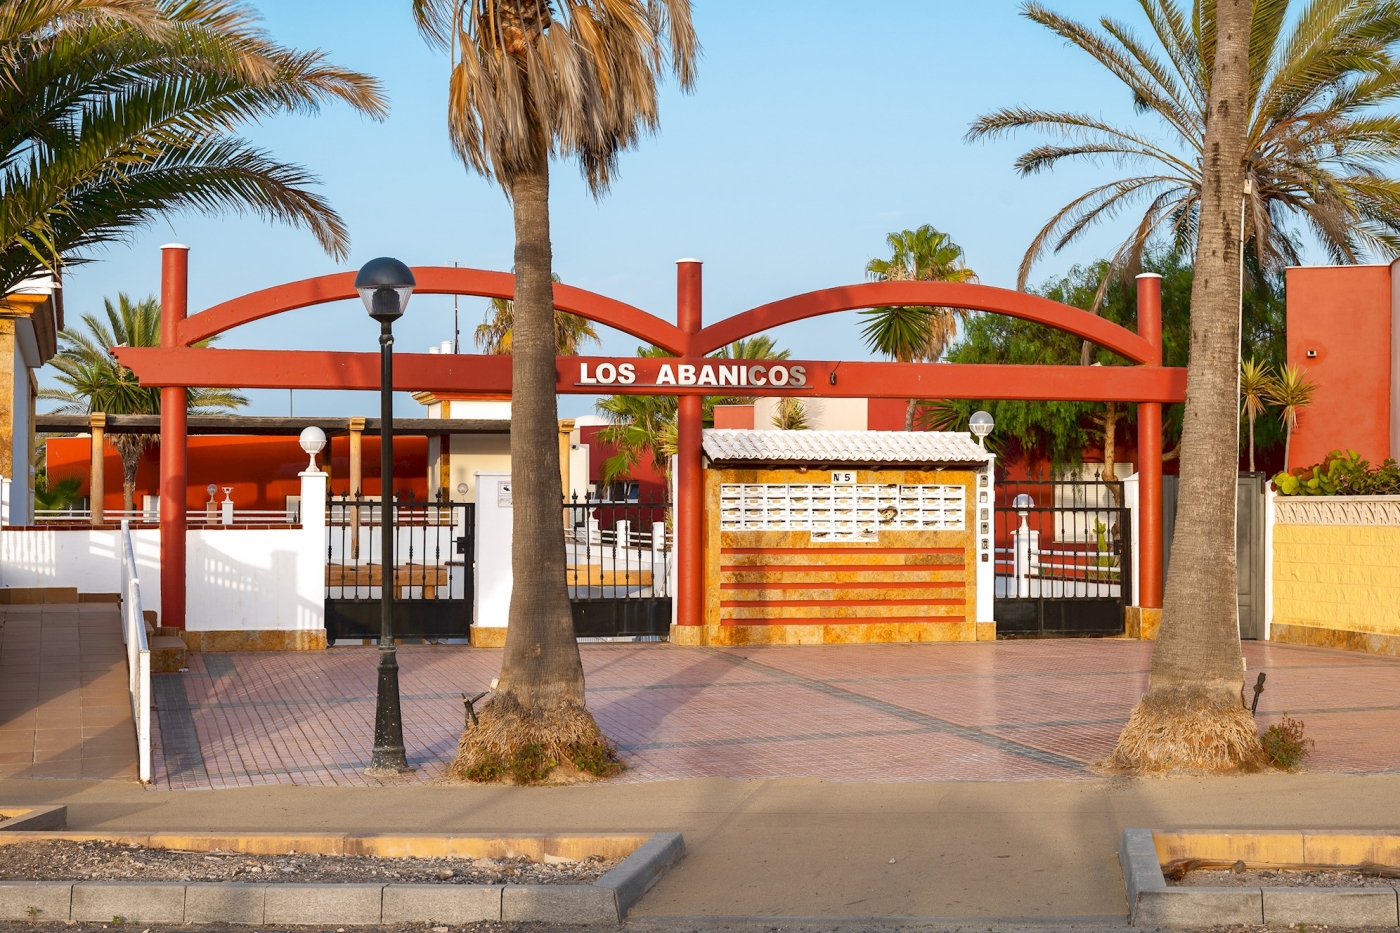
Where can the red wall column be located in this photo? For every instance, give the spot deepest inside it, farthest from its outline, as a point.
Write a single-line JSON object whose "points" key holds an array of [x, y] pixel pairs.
{"points": [[174, 305], [1149, 308], [690, 483]]}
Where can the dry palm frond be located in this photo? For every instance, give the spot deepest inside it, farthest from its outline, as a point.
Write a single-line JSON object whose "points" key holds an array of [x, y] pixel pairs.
{"points": [[1189, 729], [580, 75]]}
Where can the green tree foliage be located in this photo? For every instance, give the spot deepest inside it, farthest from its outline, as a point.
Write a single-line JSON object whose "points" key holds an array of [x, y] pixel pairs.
{"points": [[1061, 431], [647, 423], [571, 332], [92, 380], [911, 334], [112, 111], [1321, 142]]}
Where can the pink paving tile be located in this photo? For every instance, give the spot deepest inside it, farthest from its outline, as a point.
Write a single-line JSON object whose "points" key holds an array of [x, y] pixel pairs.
{"points": [[1016, 710]]}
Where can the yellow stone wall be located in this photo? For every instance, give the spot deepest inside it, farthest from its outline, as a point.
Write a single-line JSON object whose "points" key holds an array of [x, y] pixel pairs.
{"points": [[1337, 586], [823, 602]]}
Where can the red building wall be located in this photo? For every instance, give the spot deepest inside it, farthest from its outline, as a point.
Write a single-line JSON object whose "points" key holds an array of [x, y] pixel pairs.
{"points": [[1341, 315], [262, 470]]}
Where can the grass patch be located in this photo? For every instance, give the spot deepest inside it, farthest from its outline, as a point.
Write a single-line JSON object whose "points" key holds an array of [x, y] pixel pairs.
{"points": [[1285, 745], [599, 759]]}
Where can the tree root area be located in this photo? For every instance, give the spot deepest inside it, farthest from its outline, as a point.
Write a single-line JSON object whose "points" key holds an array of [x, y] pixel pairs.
{"points": [[1189, 730], [557, 743]]}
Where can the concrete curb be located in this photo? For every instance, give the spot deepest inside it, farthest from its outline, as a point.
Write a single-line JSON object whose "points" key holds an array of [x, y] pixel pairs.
{"points": [[607, 900], [1152, 902], [33, 819]]}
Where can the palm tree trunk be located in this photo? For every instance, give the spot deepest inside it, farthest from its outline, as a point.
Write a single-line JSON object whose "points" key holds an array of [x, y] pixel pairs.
{"points": [[909, 414], [1191, 716], [1287, 445], [1251, 443], [538, 706]]}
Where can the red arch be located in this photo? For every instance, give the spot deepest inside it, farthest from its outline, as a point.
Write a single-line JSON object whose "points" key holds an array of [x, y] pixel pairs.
{"points": [[937, 294], [446, 280], [432, 280]]}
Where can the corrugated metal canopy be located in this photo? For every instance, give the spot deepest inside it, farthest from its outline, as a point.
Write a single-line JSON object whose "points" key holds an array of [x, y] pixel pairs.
{"points": [[728, 445]]}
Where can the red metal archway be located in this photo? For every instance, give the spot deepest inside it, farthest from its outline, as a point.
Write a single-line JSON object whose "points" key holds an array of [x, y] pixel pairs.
{"points": [[176, 365]]}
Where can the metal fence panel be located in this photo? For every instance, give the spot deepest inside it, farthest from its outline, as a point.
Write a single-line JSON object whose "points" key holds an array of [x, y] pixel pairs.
{"points": [[1064, 559]]}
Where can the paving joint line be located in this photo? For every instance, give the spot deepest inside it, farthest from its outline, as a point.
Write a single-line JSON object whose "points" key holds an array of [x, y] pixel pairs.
{"points": [[934, 723]]}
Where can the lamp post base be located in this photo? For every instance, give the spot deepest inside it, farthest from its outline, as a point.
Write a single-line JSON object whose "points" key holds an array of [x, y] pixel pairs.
{"points": [[388, 757]]}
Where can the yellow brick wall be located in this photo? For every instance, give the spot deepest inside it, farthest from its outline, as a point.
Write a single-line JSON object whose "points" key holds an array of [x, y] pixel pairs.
{"points": [[1340, 577]]}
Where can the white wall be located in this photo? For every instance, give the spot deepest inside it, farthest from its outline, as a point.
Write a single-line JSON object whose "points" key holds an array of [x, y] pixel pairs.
{"points": [[260, 578], [473, 454], [493, 579], [235, 578], [986, 497], [86, 558], [823, 414]]}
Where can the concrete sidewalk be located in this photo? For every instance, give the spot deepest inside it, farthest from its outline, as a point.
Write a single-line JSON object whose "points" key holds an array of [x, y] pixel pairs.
{"points": [[799, 848]]}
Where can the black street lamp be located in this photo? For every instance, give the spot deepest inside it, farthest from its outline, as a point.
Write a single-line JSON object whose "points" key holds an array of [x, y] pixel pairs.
{"points": [[385, 285]]}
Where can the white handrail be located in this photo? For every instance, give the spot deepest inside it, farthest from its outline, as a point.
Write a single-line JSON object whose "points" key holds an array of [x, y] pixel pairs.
{"points": [[138, 654]]}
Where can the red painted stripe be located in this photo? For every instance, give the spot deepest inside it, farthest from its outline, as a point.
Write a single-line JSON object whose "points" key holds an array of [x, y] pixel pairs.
{"points": [[766, 603], [843, 550], [876, 585], [940, 620], [855, 568]]}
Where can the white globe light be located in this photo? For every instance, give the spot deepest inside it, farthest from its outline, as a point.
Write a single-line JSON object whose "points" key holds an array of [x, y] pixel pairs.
{"points": [[1023, 503], [981, 423], [313, 441]]}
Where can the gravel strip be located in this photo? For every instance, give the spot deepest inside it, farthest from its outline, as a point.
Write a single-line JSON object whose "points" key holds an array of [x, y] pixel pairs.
{"points": [[66, 860], [1268, 878]]}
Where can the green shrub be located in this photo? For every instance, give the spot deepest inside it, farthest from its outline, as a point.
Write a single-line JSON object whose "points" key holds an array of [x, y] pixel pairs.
{"points": [[1341, 474], [1285, 745], [531, 764], [597, 758]]}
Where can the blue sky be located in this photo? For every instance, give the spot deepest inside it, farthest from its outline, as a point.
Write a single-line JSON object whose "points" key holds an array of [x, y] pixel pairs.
{"points": [[815, 129]]}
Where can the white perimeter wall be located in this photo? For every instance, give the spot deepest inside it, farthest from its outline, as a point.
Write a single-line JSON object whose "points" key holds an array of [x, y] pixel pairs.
{"points": [[85, 558], [236, 578]]}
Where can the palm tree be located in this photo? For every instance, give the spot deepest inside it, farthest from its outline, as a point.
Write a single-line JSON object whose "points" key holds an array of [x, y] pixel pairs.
{"points": [[113, 111], [93, 380], [791, 415], [1256, 383], [571, 332], [1318, 145], [646, 424], [1291, 391], [642, 425], [1191, 715], [531, 80], [910, 334]]}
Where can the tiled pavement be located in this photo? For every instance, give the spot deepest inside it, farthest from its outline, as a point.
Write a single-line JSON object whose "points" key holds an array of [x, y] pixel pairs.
{"points": [[64, 707], [1004, 711]]}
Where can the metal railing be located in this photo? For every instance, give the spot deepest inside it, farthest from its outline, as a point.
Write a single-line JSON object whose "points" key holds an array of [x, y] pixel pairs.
{"points": [[194, 518], [617, 550], [432, 576], [1062, 539], [138, 654]]}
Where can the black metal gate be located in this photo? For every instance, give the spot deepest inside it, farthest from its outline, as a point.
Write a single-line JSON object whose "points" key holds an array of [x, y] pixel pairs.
{"points": [[1063, 558], [619, 567], [432, 574]]}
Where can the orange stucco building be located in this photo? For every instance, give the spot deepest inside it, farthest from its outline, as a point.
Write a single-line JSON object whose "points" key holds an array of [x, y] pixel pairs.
{"points": [[1340, 325]]}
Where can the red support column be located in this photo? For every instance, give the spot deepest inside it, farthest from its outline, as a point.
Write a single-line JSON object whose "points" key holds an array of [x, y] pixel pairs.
{"points": [[1149, 308], [174, 305], [690, 483]]}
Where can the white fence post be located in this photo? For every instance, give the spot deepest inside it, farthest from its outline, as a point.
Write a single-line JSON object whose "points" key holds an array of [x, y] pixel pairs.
{"points": [[311, 578], [138, 653], [1131, 499]]}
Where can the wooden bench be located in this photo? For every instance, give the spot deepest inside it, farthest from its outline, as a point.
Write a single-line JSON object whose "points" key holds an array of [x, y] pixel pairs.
{"points": [[352, 576]]}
